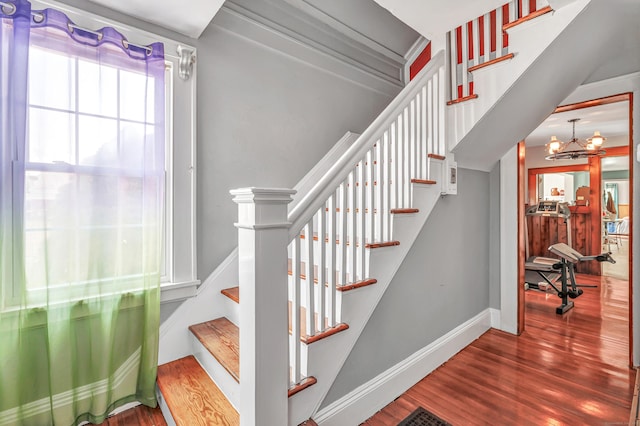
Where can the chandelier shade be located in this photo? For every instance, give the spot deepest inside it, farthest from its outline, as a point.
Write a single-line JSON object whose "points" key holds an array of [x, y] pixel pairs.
{"points": [[575, 148]]}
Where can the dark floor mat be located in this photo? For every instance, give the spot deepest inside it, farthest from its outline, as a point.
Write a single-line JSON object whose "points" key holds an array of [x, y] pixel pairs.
{"points": [[422, 417]]}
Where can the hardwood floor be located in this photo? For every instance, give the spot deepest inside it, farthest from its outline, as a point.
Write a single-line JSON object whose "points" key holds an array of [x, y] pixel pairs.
{"points": [[563, 370], [137, 416]]}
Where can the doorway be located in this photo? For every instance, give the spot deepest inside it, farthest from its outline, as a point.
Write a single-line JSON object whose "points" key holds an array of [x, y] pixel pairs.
{"points": [[560, 179], [616, 214]]}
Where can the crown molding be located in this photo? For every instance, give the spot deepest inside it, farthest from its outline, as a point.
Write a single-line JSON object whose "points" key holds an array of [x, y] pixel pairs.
{"points": [[317, 45]]}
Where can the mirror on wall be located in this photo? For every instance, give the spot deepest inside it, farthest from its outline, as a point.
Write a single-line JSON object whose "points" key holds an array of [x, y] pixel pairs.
{"points": [[615, 185], [561, 186]]}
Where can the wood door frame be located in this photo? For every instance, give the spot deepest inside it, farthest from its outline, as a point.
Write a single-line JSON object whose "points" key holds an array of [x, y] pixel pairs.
{"points": [[594, 164]]}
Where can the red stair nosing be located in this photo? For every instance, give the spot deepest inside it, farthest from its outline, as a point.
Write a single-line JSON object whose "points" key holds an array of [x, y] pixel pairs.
{"points": [[232, 293], [304, 383], [330, 331], [383, 244], [345, 287], [529, 17], [324, 334], [463, 99], [404, 211], [424, 181], [357, 284], [491, 62]]}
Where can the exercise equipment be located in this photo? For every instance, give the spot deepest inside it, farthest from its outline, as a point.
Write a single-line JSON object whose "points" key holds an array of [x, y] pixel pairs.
{"points": [[538, 267], [566, 265]]}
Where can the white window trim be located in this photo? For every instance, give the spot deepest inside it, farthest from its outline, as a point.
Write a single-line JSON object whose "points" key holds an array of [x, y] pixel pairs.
{"points": [[180, 281]]}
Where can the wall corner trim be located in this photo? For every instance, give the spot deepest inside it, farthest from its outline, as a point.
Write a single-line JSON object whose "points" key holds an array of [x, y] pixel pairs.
{"points": [[495, 318], [368, 398]]}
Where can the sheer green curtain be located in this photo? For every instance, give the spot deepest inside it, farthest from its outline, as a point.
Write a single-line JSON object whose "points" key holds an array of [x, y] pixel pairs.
{"points": [[81, 218]]}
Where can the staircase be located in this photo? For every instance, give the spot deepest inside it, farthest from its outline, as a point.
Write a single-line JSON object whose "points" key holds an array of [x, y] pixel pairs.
{"points": [[337, 248]]}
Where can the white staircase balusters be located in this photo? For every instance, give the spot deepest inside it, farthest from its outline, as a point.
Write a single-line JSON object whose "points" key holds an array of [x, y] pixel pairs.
{"points": [[356, 212]]}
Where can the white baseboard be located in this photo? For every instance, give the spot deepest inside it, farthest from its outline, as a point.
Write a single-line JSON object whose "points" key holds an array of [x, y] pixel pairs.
{"points": [[367, 399]]}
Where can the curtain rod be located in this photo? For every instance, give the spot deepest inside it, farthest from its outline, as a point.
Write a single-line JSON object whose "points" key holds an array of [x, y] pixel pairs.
{"points": [[39, 17]]}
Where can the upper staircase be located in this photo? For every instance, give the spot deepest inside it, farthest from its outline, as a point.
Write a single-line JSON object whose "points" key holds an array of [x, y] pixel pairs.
{"points": [[274, 324], [544, 56]]}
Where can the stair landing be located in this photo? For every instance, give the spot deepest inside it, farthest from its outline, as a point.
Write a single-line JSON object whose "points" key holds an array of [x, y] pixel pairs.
{"points": [[192, 397]]}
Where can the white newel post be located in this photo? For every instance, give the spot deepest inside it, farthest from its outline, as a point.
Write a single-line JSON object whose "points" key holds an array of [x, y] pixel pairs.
{"points": [[263, 232]]}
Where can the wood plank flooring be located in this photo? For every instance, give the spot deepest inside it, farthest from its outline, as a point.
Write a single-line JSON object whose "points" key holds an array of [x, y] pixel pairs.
{"points": [[138, 416], [563, 370]]}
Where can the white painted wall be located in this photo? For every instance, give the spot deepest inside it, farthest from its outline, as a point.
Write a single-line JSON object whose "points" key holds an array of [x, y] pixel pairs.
{"points": [[494, 237], [509, 241], [623, 190]]}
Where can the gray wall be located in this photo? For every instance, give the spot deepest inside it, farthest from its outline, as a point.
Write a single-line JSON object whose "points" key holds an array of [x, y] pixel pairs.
{"points": [[443, 282], [264, 118]]}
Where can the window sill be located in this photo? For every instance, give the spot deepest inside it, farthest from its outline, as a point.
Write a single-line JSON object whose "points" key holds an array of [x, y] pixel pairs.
{"points": [[174, 292]]}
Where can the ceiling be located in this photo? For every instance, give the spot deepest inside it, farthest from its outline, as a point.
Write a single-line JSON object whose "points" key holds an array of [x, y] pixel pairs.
{"points": [[612, 120], [433, 18], [189, 17]]}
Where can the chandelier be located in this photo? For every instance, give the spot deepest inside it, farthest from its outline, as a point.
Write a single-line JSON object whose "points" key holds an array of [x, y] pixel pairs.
{"points": [[559, 150]]}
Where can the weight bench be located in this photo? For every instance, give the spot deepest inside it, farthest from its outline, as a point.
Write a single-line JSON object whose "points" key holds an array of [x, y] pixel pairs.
{"points": [[566, 265], [538, 267]]}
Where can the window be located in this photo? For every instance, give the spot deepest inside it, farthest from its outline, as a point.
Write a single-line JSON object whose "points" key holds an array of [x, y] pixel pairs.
{"points": [[67, 128]]}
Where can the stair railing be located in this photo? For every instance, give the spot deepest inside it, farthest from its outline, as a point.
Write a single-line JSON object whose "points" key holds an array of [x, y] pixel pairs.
{"points": [[350, 208], [483, 40]]}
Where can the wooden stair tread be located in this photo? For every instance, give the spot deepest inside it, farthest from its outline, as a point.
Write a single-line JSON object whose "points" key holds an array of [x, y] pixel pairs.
{"points": [[424, 181], [346, 287], [305, 383], [232, 293], [221, 337], [192, 397], [491, 62], [382, 244], [436, 156], [356, 284], [529, 17], [403, 211], [318, 336], [459, 100]]}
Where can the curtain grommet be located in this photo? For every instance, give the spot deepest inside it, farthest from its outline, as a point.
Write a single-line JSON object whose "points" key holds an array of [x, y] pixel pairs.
{"points": [[8, 8]]}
